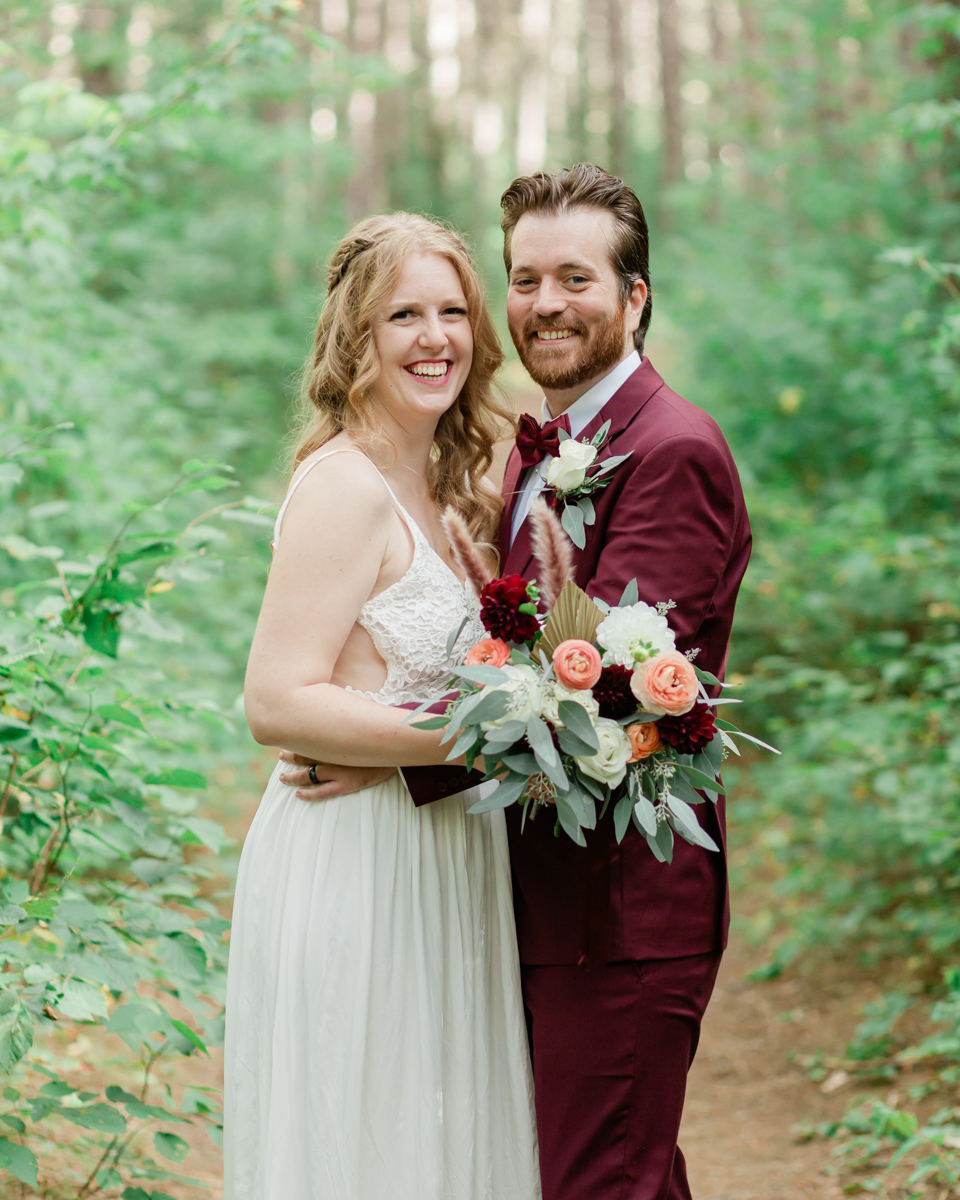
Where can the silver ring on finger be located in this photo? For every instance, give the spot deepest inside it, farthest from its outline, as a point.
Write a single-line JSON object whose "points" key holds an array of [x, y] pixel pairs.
{"points": [[312, 775]]}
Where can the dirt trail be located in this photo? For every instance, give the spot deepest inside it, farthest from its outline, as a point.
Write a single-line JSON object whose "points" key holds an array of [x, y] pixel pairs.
{"points": [[746, 1099]]}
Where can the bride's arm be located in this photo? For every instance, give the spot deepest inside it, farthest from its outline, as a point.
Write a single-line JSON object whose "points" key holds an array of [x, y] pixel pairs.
{"points": [[334, 541]]}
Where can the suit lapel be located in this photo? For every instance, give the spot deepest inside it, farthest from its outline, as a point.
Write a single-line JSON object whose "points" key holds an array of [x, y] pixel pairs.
{"points": [[620, 410]]}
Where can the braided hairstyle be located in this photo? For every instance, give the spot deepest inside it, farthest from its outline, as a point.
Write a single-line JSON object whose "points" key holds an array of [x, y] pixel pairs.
{"points": [[343, 366]]}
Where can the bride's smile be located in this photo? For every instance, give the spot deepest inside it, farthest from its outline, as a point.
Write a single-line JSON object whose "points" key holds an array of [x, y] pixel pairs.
{"points": [[424, 341]]}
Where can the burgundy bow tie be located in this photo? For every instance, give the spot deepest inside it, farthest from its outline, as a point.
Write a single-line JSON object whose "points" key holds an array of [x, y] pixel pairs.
{"points": [[536, 442]]}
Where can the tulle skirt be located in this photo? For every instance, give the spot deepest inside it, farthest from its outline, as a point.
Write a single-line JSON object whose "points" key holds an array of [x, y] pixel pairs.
{"points": [[375, 1041]]}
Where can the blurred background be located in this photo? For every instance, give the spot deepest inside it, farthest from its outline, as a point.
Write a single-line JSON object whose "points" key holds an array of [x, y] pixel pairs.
{"points": [[172, 178]]}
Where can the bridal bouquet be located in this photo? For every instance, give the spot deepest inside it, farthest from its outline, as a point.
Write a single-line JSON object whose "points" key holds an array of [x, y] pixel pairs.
{"points": [[575, 705]]}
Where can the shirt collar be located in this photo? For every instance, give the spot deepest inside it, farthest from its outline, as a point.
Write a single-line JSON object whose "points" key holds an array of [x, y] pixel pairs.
{"points": [[582, 411]]}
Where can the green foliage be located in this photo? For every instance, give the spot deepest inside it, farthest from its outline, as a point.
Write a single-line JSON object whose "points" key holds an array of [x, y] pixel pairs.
{"points": [[136, 310], [825, 310]]}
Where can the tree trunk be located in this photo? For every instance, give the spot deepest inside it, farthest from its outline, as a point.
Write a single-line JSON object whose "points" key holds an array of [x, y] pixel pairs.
{"points": [[619, 116], [671, 151]]}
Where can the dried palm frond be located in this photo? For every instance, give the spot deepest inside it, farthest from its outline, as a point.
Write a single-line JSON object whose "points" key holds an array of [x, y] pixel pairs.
{"points": [[552, 550], [465, 550], [573, 616]]}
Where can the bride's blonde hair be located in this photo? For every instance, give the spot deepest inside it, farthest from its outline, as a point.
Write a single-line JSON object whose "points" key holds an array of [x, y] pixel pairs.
{"points": [[343, 365]]}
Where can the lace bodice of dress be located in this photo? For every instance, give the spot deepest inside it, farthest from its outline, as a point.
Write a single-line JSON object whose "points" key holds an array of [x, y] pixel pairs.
{"points": [[410, 621]]}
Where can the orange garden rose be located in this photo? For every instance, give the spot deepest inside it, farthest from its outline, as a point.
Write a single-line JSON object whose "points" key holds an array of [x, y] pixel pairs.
{"points": [[489, 652], [644, 741], [577, 663], [666, 684]]}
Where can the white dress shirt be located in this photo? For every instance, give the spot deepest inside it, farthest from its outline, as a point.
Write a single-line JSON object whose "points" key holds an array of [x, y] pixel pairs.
{"points": [[581, 412]]}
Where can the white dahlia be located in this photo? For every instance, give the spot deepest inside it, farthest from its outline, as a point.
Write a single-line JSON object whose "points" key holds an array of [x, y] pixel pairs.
{"points": [[632, 634]]}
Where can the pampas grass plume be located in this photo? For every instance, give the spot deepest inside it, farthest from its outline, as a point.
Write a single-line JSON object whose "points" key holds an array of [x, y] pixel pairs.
{"points": [[552, 550], [464, 549]]}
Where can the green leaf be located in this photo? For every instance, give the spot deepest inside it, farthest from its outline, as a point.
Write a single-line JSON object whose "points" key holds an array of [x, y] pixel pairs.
{"points": [[205, 832], [42, 907], [662, 843], [686, 824], [431, 723], [680, 787], [585, 504], [577, 720], [574, 746], [177, 777], [101, 630], [19, 1161], [16, 1030], [491, 707], [621, 816], [192, 1037], [10, 914], [703, 782], [184, 957], [508, 791], [646, 816], [102, 1117], [541, 743], [171, 1146], [14, 1123], [571, 518], [631, 594], [115, 712], [455, 636], [569, 820], [481, 675], [523, 764], [713, 752], [707, 678], [82, 1001]]}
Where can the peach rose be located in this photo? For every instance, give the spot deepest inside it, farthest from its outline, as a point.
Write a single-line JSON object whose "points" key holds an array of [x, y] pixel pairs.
{"points": [[577, 663], [644, 740], [489, 652], [666, 684]]}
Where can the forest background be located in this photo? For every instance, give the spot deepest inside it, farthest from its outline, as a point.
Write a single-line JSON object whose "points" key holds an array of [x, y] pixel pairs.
{"points": [[173, 176]]}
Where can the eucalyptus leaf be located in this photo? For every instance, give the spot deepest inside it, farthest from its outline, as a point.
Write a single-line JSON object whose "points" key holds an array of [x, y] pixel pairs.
{"points": [[621, 817], [508, 791], [646, 816], [700, 781], [585, 504], [631, 594], [482, 675], [575, 717], [569, 821], [541, 743], [571, 518]]}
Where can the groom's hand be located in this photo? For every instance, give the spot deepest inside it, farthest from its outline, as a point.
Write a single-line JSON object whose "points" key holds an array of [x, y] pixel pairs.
{"points": [[332, 780]]}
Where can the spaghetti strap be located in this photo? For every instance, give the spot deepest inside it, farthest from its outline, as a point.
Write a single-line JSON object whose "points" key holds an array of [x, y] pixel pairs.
{"points": [[301, 474]]}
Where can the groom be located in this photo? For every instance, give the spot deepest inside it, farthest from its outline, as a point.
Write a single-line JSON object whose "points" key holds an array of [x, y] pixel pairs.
{"points": [[619, 953]]}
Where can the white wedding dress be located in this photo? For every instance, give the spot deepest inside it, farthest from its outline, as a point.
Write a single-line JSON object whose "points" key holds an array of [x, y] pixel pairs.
{"points": [[375, 1040]]}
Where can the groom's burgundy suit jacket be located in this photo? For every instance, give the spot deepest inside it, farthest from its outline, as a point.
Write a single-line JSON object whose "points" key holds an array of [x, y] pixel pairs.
{"points": [[673, 518]]}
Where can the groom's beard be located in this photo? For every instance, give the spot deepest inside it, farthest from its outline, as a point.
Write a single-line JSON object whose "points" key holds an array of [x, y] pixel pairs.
{"points": [[592, 354]]}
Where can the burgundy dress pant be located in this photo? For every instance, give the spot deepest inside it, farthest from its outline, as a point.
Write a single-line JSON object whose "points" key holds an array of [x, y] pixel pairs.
{"points": [[611, 1050]]}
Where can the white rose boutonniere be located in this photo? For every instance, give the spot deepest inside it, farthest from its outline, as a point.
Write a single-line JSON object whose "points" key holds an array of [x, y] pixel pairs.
{"points": [[568, 470], [573, 476]]}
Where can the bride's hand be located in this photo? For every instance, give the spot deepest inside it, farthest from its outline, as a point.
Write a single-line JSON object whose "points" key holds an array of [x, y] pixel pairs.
{"points": [[332, 780]]}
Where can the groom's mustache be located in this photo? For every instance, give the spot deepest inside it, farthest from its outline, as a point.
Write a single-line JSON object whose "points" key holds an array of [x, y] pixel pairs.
{"points": [[532, 327]]}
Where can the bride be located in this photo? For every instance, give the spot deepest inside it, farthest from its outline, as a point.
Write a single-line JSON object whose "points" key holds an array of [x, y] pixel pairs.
{"points": [[375, 1044]]}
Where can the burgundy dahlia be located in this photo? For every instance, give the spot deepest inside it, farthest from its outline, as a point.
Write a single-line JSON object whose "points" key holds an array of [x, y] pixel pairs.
{"points": [[612, 693], [500, 603], [691, 732]]}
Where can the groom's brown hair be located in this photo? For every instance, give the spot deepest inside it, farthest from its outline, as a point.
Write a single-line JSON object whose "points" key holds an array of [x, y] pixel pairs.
{"points": [[580, 187]]}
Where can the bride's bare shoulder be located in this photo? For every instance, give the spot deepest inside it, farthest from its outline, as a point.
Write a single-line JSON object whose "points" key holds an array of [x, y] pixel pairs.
{"points": [[340, 485]]}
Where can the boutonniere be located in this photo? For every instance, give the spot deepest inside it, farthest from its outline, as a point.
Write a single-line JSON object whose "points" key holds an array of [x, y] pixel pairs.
{"points": [[572, 478]]}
